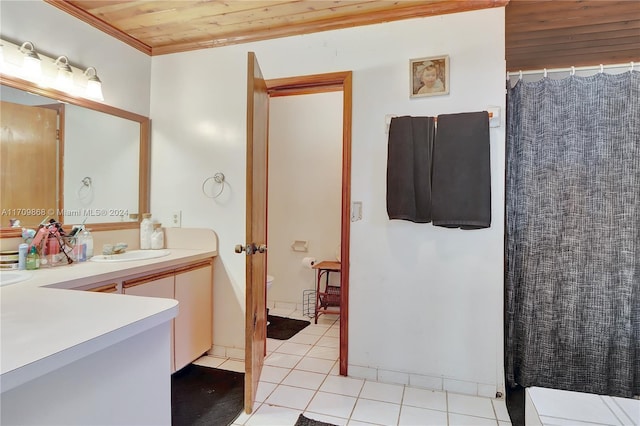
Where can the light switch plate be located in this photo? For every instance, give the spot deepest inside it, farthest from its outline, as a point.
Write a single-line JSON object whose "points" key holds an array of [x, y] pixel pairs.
{"points": [[356, 211]]}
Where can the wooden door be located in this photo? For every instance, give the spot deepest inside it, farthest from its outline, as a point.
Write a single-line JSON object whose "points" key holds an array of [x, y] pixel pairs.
{"points": [[28, 145], [256, 229]]}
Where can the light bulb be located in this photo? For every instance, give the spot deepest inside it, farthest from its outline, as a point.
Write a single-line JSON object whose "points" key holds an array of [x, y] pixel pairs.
{"points": [[94, 85], [31, 64], [64, 80]]}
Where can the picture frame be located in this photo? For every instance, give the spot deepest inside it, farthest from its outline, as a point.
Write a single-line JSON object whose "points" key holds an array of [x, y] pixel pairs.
{"points": [[429, 76]]}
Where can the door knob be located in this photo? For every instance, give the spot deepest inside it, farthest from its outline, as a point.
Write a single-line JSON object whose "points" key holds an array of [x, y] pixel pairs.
{"points": [[262, 248], [249, 248]]}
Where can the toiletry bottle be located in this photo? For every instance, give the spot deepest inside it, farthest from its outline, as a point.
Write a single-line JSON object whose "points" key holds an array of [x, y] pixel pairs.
{"points": [[81, 247], [22, 256], [157, 237], [88, 243], [33, 259], [146, 228]]}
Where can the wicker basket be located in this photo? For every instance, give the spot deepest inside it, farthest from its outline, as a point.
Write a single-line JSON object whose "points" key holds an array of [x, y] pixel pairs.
{"points": [[331, 297]]}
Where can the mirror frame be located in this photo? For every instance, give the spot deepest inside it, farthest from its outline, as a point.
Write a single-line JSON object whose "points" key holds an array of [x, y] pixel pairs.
{"points": [[144, 166]]}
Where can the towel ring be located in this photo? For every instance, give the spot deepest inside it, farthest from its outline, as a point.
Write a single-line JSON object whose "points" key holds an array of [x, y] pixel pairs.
{"points": [[219, 179]]}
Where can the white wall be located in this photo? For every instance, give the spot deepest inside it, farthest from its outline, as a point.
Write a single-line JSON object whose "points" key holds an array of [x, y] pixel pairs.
{"points": [[198, 128], [124, 71], [305, 184], [426, 303]]}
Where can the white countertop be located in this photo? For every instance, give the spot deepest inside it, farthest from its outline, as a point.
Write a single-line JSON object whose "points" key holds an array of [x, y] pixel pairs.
{"points": [[44, 325]]}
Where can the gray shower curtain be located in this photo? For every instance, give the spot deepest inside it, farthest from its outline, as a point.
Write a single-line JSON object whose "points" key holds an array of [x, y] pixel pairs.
{"points": [[572, 278]]}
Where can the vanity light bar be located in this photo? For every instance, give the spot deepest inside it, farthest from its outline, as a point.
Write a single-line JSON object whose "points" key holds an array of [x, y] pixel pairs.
{"points": [[21, 61]]}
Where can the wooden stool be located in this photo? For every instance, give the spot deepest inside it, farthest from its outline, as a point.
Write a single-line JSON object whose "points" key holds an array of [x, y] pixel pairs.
{"points": [[330, 297]]}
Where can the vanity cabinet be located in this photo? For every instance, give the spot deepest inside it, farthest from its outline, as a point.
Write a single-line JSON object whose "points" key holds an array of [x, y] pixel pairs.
{"points": [[194, 323], [192, 286], [156, 285]]}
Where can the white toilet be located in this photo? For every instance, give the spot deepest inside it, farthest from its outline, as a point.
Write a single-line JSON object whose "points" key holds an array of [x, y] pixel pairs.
{"points": [[269, 281]]}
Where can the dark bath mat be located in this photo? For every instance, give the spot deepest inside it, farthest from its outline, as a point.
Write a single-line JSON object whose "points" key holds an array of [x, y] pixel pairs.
{"points": [[515, 405], [284, 328], [206, 396], [304, 421]]}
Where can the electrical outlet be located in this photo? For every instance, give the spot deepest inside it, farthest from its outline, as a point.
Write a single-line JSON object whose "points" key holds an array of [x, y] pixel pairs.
{"points": [[176, 219]]}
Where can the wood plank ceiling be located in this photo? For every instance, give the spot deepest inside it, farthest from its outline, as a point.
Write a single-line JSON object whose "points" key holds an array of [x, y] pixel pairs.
{"points": [[559, 34], [161, 27], [539, 34]]}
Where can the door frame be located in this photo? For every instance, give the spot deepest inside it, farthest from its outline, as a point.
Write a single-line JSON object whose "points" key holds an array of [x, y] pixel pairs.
{"points": [[322, 83]]}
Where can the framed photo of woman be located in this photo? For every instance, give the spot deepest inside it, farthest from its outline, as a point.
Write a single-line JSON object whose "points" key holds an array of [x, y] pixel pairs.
{"points": [[429, 76]]}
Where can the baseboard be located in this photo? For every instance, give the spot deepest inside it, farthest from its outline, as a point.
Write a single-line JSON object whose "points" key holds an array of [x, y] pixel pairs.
{"points": [[439, 383]]}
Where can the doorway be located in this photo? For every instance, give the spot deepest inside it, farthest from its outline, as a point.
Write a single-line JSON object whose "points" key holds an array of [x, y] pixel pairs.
{"points": [[323, 83], [304, 187]]}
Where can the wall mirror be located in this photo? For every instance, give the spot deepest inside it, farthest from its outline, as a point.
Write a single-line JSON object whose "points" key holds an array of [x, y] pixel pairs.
{"points": [[71, 159]]}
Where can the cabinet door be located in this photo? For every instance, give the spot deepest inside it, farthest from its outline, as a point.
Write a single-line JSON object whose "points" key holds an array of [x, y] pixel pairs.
{"points": [[161, 287], [194, 323], [154, 287]]}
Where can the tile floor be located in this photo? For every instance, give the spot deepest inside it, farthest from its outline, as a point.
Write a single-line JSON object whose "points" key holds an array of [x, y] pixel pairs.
{"points": [[301, 375]]}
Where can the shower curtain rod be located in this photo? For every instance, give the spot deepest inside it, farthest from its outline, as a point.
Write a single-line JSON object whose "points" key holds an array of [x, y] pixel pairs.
{"points": [[600, 67]]}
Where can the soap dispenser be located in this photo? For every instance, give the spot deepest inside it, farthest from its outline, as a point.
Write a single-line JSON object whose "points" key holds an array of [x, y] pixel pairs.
{"points": [[146, 229]]}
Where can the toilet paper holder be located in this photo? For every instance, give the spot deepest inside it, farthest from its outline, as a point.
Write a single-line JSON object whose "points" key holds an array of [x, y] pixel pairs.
{"points": [[300, 245]]}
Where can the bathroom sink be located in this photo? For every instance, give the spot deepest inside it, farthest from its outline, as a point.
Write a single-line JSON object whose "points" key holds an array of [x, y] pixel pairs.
{"points": [[130, 255], [13, 277]]}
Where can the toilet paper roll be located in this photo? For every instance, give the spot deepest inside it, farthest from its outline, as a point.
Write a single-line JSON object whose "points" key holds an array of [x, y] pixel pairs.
{"points": [[308, 262]]}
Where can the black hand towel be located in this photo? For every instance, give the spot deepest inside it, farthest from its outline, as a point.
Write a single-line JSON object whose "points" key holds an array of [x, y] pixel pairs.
{"points": [[409, 168], [461, 182]]}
